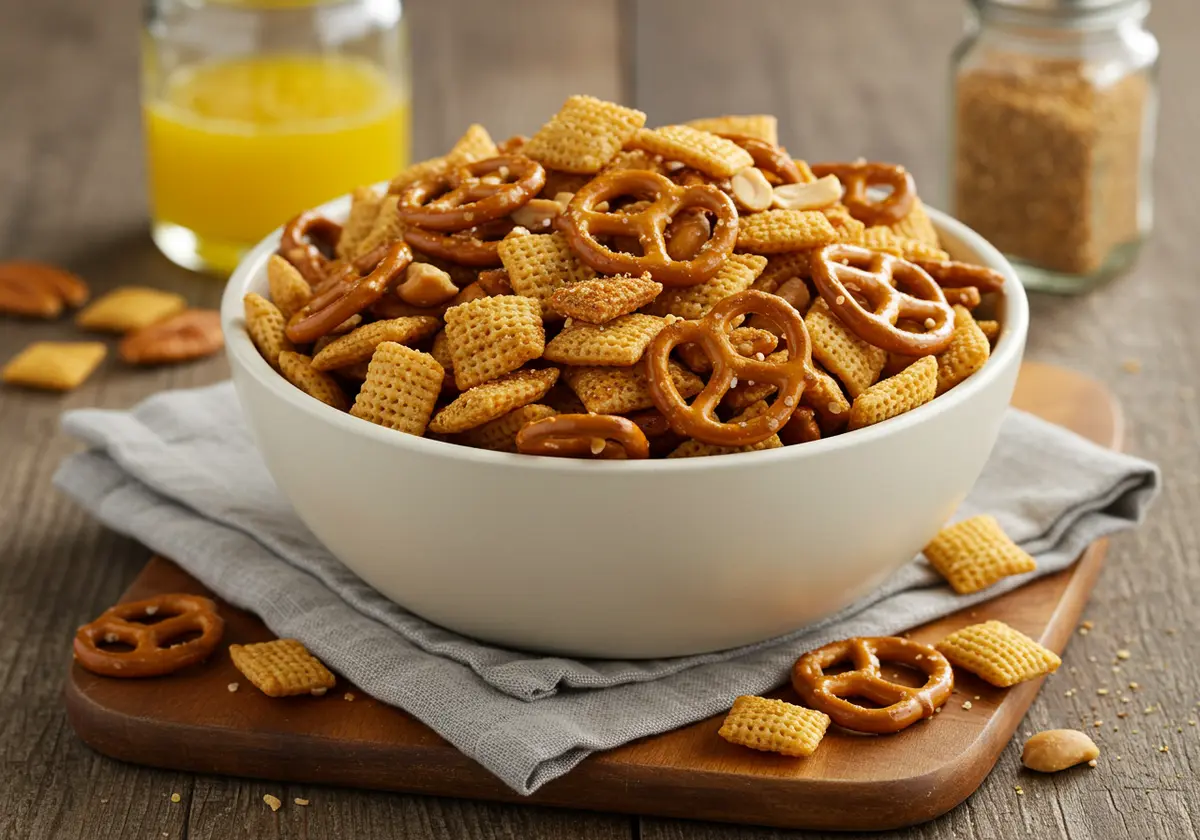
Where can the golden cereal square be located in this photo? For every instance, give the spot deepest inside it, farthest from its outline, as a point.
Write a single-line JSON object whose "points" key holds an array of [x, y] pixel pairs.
{"points": [[917, 225], [777, 231], [635, 159], [849, 229], [998, 653], [266, 327], [620, 390], [492, 336], [781, 268], [975, 553], [386, 228], [54, 365], [774, 726], [364, 209], [359, 344], [417, 172], [584, 135], [400, 390], [441, 351], [289, 290], [990, 330], [881, 238], [129, 308], [484, 403], [538, 264], [915, 249], [602, 299], [297, 368], [824, 396], [855, 362], [760, 126], [618, 343], [282, 668], [701, 150], [475, 144], [914, 386], [735, 275], [500, 435], [968, 351]]}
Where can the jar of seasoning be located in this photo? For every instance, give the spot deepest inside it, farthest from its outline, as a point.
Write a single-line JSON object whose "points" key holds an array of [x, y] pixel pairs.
{"points": [[1052, 135]]}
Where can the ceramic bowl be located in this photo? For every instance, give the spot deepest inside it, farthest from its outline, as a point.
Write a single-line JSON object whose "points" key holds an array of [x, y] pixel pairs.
{"points": [[625, 559]]}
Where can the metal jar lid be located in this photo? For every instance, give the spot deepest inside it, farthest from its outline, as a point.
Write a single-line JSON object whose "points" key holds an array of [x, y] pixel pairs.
{"points": [[1060, 5]]}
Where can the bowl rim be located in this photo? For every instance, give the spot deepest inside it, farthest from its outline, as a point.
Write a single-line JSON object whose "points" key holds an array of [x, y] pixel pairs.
{"points": [[242, 353]]}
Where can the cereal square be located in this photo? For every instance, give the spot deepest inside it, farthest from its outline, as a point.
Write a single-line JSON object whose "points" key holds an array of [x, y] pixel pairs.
{"points": [[492, 336], [891, 397], [538, 264], [297, 368], [735, 275], [584, 135], [129, 308], [359, 344], [364, 209], [282, 668], [781, 268], [998, 653], [917, 225], [701, 150], [777, 231], [990, 330], [289, 290], [475, 144], [266, 326], [492, 399], [774, 726], [760, 126], [400, 390], [620, 390], [602, 299], [975, 553], [386, 228], [54, 365], [855, 362], [968, 351], [500, 435], [618, 343]]}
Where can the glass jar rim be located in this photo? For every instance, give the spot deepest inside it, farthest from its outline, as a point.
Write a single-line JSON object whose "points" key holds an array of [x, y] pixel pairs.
{"points": [[1085, 14]]}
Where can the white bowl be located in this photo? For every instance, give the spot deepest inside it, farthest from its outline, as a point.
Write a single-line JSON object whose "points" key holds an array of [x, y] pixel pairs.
{"points": [[625, 559]]}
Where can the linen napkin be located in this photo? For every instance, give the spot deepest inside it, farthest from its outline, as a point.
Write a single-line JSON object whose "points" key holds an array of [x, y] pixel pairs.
{"points": [[181, 474]]}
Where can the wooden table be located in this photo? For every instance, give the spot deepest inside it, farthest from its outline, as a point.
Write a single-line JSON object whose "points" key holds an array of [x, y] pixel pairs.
{"points": [[856, 77]]}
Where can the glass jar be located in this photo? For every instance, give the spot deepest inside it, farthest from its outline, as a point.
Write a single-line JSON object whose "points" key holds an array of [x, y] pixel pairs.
{"points": [[257, 109], [1052, 136]]}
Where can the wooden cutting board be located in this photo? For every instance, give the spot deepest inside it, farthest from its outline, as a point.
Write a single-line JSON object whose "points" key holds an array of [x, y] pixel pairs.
{"points": [[191, 721]]}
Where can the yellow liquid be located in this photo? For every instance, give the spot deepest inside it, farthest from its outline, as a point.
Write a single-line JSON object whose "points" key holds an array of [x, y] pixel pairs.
{"points": [[236, 148]]}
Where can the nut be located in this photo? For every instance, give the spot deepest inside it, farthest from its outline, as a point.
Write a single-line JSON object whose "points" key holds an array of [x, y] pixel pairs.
{"points": [[426, 285], [192, 334], [563, 198], [687, 234], [495, 282], [538, 214], [820, 193], [37, 290], [1058, 749], [751, 189]]}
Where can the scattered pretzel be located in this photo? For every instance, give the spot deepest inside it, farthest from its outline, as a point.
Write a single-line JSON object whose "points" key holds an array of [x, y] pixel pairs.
{"points": [[476, 247], [152, 653], [857, 176], [768, 157], [902, 705], [951, 274], [711, 334], [472, 194], [298, 247], [847, 274], [604, 436], [583, 223], [347, 293]]}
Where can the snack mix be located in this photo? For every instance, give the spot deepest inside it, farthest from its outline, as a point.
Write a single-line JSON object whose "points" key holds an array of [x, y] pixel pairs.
{"points": [[604, 290]]}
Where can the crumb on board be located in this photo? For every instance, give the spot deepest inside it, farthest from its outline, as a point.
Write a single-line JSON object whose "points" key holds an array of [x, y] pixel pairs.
{"points": [[232, 687], [175, 797], [272, 801], [300, 801]]}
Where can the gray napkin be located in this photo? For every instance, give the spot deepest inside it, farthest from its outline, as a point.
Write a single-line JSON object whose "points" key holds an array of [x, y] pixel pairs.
{"points": [[181, 474]]}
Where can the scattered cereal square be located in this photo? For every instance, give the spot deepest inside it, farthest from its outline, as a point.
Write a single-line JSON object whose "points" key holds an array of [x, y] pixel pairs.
{"points": [[735, 275], [891, 397], [282, 668], [968, 351], [492, 399], [297, 368], [602, 299], [975, 553], [492, 336], [998, 653], [855, 362], [760, 126], [359, 344], [774, 726], [500, 435], [701, 150], [777, 231], [620, 390], [584, 135], [538, 264], [400, 390], [54, 365], [266, 327], [618, 343], [129, 308]]}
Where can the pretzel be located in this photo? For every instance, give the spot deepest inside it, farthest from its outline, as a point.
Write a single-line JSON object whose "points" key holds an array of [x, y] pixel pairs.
{"points": [[467, 196], [902, 705], [476, 246], [711, 334], [297, 247], [582, 223], [847, 274], [153, 654], [952, 274], [859, 175], [604, 436], [769, 158], [347, 293]]}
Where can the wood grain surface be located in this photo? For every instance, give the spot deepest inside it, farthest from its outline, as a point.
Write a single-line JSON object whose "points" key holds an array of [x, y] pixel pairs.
{"points": [[858, 76]]}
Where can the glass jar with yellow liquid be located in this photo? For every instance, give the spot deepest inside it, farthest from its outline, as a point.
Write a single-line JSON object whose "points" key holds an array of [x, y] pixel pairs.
{"points": [[257, 109]]}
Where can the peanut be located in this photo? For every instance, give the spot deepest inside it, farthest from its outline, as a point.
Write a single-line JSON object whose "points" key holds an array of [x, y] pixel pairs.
{"points": [[1058, 749], [426, 285], [751, 189], [814, 196]]}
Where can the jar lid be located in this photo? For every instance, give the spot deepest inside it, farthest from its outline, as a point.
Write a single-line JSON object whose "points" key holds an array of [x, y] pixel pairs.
{"points": [[1060, 5]]}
